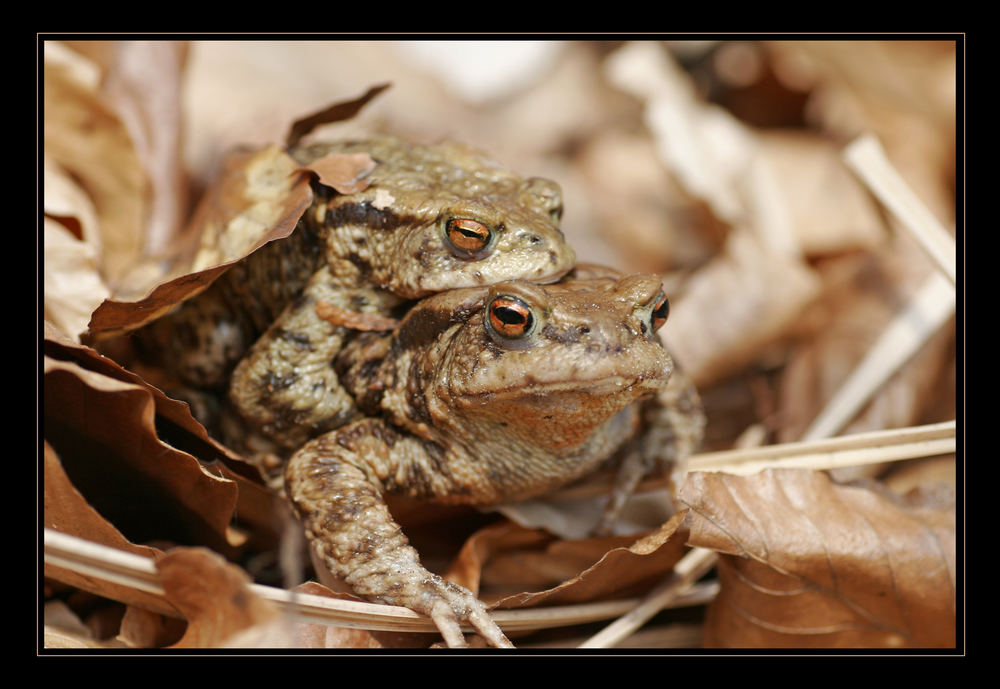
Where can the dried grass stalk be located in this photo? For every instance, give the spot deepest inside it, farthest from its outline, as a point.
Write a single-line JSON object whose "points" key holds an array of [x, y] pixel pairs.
{"points": [[869, 160], [126, 569]]}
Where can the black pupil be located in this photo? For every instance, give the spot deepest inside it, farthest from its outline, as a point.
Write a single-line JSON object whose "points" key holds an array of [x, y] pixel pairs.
{"points": [[510, 316], [662, 310]]}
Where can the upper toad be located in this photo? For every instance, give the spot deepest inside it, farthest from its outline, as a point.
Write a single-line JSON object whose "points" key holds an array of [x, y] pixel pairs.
{"points": [[432, 218]]}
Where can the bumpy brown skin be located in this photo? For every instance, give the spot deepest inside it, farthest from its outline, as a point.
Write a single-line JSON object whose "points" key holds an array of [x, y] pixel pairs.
{"points": [[391, 237], [459, 412]]}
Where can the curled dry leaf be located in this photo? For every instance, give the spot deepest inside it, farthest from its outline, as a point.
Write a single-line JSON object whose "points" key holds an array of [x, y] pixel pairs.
{"points": [[72, 285], [213, 595], [345, 172], [735, 306], [825, 206], [545, 571], [86, 137], [66, 510], [143, 85], [259, 198], [332, 113], [103, 431], [809, 563]]}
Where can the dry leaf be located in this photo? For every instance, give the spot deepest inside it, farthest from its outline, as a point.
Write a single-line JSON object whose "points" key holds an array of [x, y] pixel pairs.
{"points": [[174, 417], [213, 595], [644, 213], [861, 296], [259, 198], [104, 432], [632, 566], [143, 85], [66, 510], [142, 628], [332, 113], [826, 207], [71, 282], [809, 563], [345, 172], [63, 629], [85, 137], [706, 148], [734, 307]]}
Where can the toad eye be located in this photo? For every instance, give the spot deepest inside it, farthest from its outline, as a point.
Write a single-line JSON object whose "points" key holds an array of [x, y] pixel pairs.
{"points": [[510, 317], [661, 309], [468, 236]]}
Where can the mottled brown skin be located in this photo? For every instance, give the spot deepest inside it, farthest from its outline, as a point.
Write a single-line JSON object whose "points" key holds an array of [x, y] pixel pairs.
{"points": [[463, 407], [368, 251]]}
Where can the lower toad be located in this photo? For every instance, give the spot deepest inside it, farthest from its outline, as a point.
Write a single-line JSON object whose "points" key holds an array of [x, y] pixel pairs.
{"points": [[482, 396]]}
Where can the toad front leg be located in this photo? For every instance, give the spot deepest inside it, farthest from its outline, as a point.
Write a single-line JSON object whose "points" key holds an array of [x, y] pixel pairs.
{"points": [[673, 424], [286, 387], [336, 483]]}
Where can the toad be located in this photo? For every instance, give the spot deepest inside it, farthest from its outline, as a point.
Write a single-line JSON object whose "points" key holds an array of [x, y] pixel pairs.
{"points": [[483, 396]]}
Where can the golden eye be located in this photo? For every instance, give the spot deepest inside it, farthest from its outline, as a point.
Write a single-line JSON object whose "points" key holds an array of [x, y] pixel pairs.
{"points": [[661, 309], [510, 317], [468, 235]]}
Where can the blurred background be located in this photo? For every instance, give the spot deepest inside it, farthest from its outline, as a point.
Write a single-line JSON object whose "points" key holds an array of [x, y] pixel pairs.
{"points": [[717, 164]]}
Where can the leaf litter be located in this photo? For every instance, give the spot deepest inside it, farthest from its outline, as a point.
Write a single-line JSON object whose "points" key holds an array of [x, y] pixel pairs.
{"points": [[781, 263]]}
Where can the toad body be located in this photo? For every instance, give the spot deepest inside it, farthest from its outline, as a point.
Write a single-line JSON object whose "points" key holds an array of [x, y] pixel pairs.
{"points": [[431, 218], [483, 396]]}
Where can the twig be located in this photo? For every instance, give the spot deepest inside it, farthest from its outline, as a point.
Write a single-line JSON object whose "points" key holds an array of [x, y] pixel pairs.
{"points": [[859, 449], [868, 159], [685, 573], [126, 569]]}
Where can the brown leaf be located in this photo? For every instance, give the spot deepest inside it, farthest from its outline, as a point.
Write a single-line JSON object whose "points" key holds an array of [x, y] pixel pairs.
{"points": [[808, 563], [213, 595], [85, 136], [66, 510], [345, 172], [828, 209], [143, 83], [566, 572], [332, 113], [141, 628], [259, 198], [104, 433], [174, 417], [737, 305]]}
